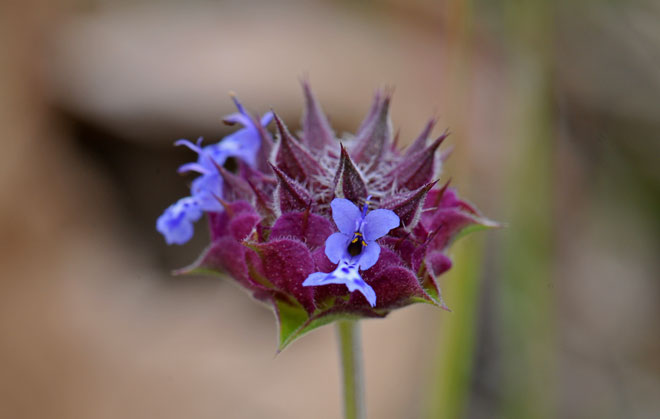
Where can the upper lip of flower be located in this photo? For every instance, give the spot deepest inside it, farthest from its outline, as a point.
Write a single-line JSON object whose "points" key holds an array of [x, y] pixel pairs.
{"points": [[370, 226]]}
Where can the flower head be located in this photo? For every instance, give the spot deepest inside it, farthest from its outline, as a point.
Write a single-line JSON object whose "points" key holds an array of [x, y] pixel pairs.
{"points": [[286, 223]]}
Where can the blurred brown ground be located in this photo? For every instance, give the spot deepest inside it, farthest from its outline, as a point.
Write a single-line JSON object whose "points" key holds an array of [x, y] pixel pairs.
{"points": [[93, 94]]}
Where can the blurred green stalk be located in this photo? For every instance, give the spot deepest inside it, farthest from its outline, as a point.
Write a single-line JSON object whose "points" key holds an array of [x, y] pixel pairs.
{"points": [[526, 327], [450, 387], [524, 300], [350, 351], [456, 343]]}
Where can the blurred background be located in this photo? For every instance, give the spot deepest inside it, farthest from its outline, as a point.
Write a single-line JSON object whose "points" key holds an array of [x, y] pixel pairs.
{"points": [[554, 109]]}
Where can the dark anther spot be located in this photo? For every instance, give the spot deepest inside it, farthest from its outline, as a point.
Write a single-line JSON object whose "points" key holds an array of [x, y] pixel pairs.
{"points": [[345, 270], [231, 164], [355, 249]]}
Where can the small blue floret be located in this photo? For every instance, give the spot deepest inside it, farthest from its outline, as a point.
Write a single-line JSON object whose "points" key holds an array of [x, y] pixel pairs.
{"points": [[176, 223], [359, 227]]}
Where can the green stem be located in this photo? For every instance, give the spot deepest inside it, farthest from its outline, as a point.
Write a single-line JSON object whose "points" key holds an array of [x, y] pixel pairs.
{"points": [[350, 351]]}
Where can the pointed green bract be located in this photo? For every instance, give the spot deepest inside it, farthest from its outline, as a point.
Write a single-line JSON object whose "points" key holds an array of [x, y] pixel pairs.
{"points": [[290, 320], [294, 322]]}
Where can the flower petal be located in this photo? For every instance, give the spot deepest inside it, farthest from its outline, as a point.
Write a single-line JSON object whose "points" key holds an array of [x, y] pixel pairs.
{"points": [[193, 167], [378, 223], [346, 215], [335, 246], [321, 278], [238, 104], [194, 147], [243, 144], [364, 288], [369, 255], [265, 120], [347, 274], [206, 189], [237, 118], [176, 222]]}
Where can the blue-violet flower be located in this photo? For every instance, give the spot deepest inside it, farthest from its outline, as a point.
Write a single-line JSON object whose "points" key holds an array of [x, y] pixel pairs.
{"points": [[176, 223], [354, 246]]}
